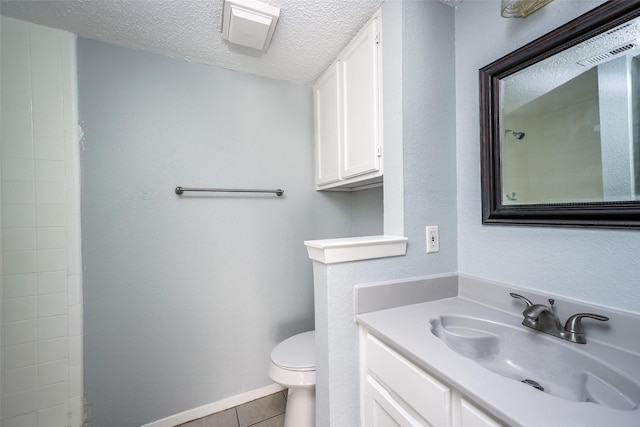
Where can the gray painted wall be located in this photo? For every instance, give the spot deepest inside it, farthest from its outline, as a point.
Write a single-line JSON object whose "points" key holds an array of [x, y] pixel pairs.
{"points": [[596, 266], [367, 212], [186, 296], [420, 132], [171, 283]]}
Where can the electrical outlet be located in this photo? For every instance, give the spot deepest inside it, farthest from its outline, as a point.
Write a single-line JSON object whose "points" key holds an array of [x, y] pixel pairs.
{"points": [[433, 239]]}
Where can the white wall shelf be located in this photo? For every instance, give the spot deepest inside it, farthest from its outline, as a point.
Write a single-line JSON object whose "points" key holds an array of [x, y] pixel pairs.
{"points": [[332, 251]]}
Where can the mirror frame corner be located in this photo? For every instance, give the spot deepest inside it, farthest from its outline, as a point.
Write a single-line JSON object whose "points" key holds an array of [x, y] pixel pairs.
{"points": [[494, 211]]}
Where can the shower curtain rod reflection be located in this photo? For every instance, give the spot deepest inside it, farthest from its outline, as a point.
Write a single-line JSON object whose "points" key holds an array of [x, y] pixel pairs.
{"points": [[180, 190]]}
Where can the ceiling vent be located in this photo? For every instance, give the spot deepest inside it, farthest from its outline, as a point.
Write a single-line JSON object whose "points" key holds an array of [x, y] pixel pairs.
{"points": [[610, 54], [249, 23]]}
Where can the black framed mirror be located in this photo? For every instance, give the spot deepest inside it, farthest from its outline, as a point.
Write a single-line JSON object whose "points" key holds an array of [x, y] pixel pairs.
{"points": [[560, 125]]}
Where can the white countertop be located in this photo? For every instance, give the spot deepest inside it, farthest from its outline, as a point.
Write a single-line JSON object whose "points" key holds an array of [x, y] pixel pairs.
{"points": [[408, 330]]}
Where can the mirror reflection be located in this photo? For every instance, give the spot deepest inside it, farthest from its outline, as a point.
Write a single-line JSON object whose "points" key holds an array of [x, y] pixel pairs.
{"points": [[570, 124]]}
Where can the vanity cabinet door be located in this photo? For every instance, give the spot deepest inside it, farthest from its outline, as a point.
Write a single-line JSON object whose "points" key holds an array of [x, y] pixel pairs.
{"points": [[395, 392], [424, 395], [472, 416], [381, 410]]}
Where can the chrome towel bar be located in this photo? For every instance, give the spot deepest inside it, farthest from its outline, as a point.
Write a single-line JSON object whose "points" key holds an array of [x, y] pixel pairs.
{"points": [[180, 190]]}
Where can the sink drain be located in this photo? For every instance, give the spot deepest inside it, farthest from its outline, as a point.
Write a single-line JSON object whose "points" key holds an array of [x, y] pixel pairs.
{"points": [[533, 384]]}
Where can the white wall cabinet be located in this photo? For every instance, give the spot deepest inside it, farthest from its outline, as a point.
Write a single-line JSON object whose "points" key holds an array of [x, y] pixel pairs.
{"points": [[395, 392], [328, 120], [348, 114]]}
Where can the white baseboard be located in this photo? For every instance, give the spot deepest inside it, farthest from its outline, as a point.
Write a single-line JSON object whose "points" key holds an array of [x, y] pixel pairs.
{"points": [[212, 408]]}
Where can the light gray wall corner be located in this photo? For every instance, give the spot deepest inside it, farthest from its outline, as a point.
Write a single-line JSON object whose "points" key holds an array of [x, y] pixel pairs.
{"points": [[419, 131], [429, 133], [337, 214], [337, 364], [367, 212], [561, 261], [395, 293], [391, 16], [419, 125], [322, 313]]}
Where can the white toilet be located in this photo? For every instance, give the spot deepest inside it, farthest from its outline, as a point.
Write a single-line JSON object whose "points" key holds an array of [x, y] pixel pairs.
{"points": [[293, 365]]}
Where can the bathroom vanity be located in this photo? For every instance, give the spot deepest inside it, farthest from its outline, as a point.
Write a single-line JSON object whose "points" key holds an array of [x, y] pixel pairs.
{"points": [[466, 360], [396, 392]]}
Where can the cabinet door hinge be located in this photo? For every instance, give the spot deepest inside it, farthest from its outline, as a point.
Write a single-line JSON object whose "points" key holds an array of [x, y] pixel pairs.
{"points": [[379, 151], [377, 39]]}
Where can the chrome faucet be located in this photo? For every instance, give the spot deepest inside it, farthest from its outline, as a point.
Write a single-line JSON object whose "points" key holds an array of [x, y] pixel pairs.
{"points": [[544, 319]]}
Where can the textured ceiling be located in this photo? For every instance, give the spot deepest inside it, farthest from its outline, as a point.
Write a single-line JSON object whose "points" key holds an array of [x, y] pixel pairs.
{"points": [[308, 37]]}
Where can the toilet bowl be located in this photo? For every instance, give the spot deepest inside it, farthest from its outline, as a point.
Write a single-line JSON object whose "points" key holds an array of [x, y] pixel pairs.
{"points": [[293, 365]]}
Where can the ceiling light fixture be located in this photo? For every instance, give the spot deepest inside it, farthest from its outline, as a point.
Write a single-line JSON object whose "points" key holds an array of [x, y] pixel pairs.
{"points": [[249, 23], [521, 8]]}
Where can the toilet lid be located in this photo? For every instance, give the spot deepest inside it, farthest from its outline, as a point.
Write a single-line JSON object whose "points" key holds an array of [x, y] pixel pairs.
{"points": [[297, 353]]}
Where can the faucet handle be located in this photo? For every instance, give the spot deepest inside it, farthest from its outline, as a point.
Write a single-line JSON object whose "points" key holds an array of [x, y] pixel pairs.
{"points": [[574, 323], [520, 297]]}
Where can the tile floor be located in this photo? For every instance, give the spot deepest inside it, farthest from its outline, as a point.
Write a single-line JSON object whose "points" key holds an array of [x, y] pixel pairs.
{"points": [[267, 411]]}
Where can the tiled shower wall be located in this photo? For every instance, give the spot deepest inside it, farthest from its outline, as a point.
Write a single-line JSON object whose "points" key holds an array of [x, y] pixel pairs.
{"points": [[41, 357]]}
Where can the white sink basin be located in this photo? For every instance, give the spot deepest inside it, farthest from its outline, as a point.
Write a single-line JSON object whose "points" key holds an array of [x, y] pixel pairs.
{"points": [[561, 368]]}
